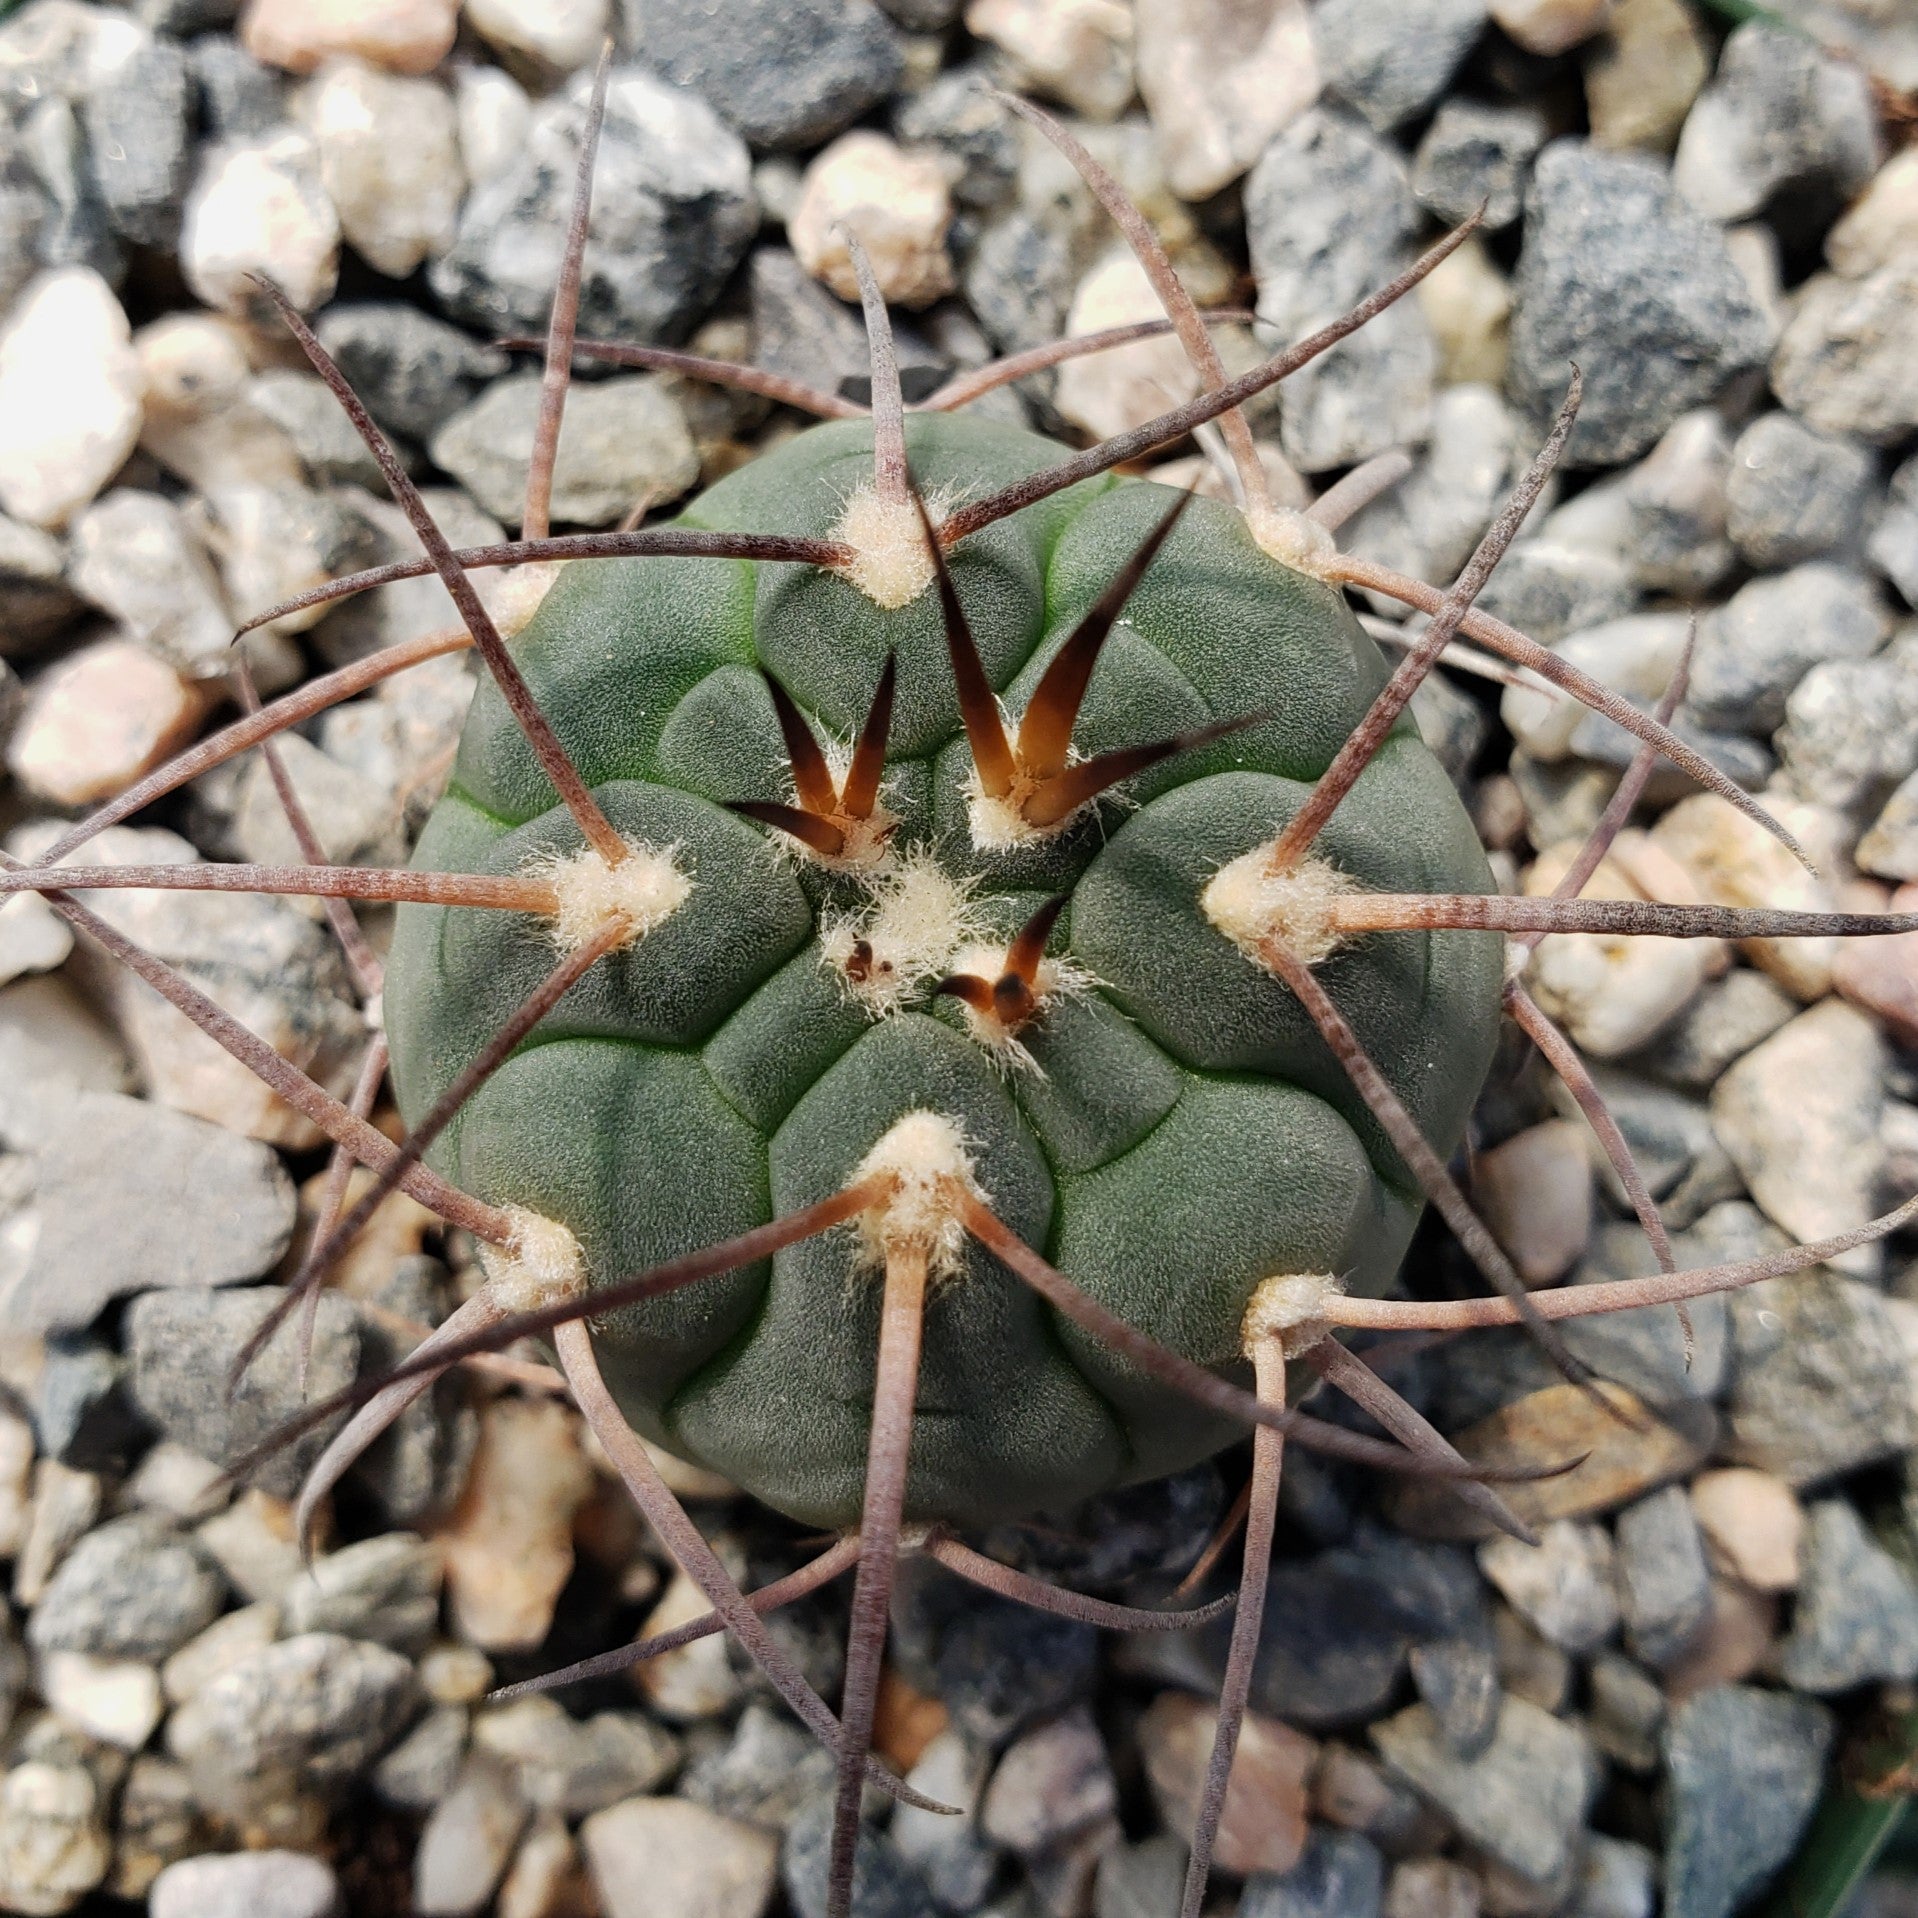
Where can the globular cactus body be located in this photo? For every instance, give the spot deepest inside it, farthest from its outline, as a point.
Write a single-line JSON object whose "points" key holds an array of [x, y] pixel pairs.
{"points": [[1169, 1128]]}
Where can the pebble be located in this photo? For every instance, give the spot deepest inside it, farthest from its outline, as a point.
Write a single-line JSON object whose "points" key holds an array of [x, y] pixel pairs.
{"points": [[1112, 392], [139, 141], [131, 1196], [552, 39], [1140, 1881], [178, 1340], [33, 937], [1881, 225], [239, 97], [1628, 1712], [307, 1714], [1848, 359], [134, 1589], [1890, 848], [547, 1878], [1535, 1192], [70, 395], [1548, 589], [955, 1860], [494, 115], [1851, 728], [468, 1840], [1739, 1638], [1475, 152], [390, 162], [1795, 493], [274, 542], [1857, 1613], [230, 1638], [575, 1766], [65, 1505], [673, 212], [622, 441], [1881, 975], [1663, 1586], [54, 1847], [898, 204], [53, 144], [403, 36], [1431, 1888], [1551, 26], [1783, 128], [1745, 1768], [136, 556], [1642, 77], [1339, 1875], [384, 1589], [958, 115], [37, 602], [16, 1483], [783, 76], [1616, 1879], [1799, 1115], [1820, 1386], [1052, 1784], [260, 207], [323, 439], [1893, 543], [1467, 302], [115, 1700], [1392, 62], [1219, 79], [1329, 214], [201, 422], [1617, 271], [1753, 1525], [1566, 1584], [412, 370], [1635, 656], [247, 1884], [508, 1545], [1078, 52], [419, 1770], [1458, 1679], [156, 1825], [100, 719], [1263, 1826], [773, 1767], [663, 1857], [1522, 1801], [696, 1681]]}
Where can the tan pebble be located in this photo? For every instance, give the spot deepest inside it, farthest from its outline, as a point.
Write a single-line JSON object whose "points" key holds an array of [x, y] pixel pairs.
{"points": [[1881, 975], [1535, 1192], [1467, 302], [1263, 1826], [895, 201], [252, 1542], [1075, 51], [1551, 26], [1737, 1633], [222, 1645], [404, 36], [16, 1482], [1530, 1666], [116, 1700], [695, 1681], [1642, 78], [1753, 1526], [1431, 1888]]}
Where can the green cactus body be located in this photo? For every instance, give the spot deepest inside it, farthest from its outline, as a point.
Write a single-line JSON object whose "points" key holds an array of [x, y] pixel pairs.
{"points": [[1179, 1131]]}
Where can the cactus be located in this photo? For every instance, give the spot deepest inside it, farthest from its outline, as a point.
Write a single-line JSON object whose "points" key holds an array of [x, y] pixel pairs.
{"points": [[939, 975]]}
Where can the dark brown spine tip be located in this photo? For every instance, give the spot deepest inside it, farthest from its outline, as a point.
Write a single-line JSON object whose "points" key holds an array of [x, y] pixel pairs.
{"points": [[1029, 947], [820, 835], [970, 988], [978, 705], [812, 778], [1077, 784], [868, 766]]}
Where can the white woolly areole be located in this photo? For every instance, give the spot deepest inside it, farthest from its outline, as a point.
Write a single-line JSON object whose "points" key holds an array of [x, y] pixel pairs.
{"points": [[520, 593], [541, 1265], [1293, 538], [1291, 1309], [924, 1159], [919, 917], [645, 889], [1262, 911], [1001, 825], [889, 562], [1055, 979]]}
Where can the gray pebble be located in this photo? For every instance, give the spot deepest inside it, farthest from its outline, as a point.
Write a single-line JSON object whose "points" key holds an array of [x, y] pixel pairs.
{"points": [[1616, 1879], [1392, 58], [781, 73], [467, 1842], [304, 409], [884, 1885], [1458, 1679], [413, 371], [1664, 1586], [1890, 848], [575, 1766], [1475, 152], [25, 214], [1756, 647], [1857, 1613], [802, 331], [1744, 1769], [1340, 1874], [952, 1855], [1848, 357], [771, 1767], [1851, 728], [82, 1414], [958, 114], [420, 1769], [1547, 590], [1140, 1881], [1053, 1783], [1620, 275], [1795, 493], [137, 556], [383, 1589], [182, 1345], [1893, 546], [1018, 277], [76, 231], [1628, 1712], [673, 213], [133, 1589], [1646, 1350], [139, 127], [239, 96], [1721, 1025], [247, 1884]]}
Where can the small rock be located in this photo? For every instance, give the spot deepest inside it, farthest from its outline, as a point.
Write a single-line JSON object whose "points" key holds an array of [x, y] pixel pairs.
{"points": [[1535, 1192], [404, 36], [1851, 728], [329, 449], [1522, 1801], [662, 1857], [1263, 1826], [466, 1844], [1616, 269], [1647, 1351], [36, 601], [201, 421], [260, 206], [551, 39], [1467, 302], [1431, 1888], [1140, 1881], [139, 139], [1893, 544], [696, 1680], [1628, 1712], [1053, 1784], [413, 371], [1641, 79], [16, 1480], [673, 213], [384, 1589], [508, 1546], [1754, 1527], [1219, 80], [136, 556], [1549, 590], [1474, 153], [1745, 1768], [1355, 1793], [1551, 26], [1112, 392], [957, 1864], [239, 98], [494, 114], [417, 1773], [1075, 51], [390, 162], [789, 75], [134, 1589], [772, 1768], [1820, 1387], [1739, 1638], [1799, 1115], [1616, 1879], [1664, 1590], [1881, 975], [622, 441], [180, 1340], [65, 1504], [576, 1766], [1857, 1613], [1722, 1023], [1881, 225], [1458, 1680], [70, 391], [884, 1886], [1890, 848], [275, 542], [115, 1700], [1783, 129], [1566, 1584], [53, 1841], [1339, 1875], [247, 1884], [230, 1638], [81, 1414], [897, 203], [76, 231], [1392, 62], [1848, 359], [157, 1825], [1794, 493]]}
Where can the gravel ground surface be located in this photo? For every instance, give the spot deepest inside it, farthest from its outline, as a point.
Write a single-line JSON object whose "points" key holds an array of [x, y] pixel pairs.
{"points": [[1719, 221]]}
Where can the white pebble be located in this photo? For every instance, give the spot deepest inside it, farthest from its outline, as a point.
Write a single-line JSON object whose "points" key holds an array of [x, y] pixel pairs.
{"points": [[261, 208], [561, 35], [894, 200]]}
